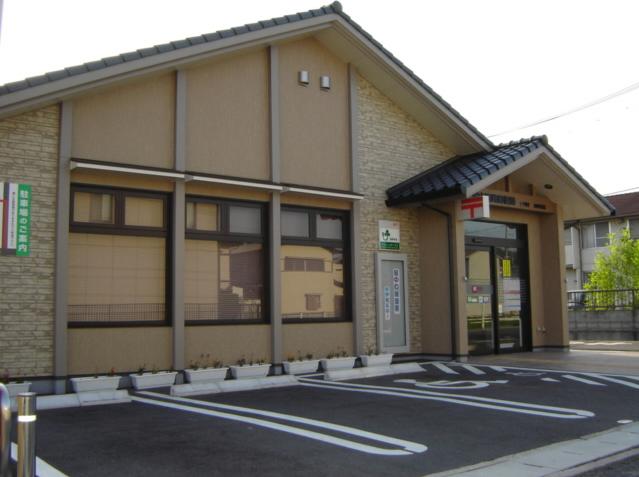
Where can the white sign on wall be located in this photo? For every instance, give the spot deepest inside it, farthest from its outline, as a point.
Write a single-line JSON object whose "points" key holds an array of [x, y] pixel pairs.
{"points": [[388, 235]]}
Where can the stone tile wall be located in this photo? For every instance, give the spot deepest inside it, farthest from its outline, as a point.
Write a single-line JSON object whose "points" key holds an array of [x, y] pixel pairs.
{"points": [[392, 148], [29, 154]]}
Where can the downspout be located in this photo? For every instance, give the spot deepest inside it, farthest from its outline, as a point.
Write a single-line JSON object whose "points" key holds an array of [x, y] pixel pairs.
{"points": [[580, 277], [451, 279]]}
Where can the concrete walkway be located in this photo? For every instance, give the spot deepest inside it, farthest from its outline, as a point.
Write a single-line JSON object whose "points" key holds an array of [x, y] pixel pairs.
{"points": [[556, 459], [610, 362], [568, 457], [598, 345]]}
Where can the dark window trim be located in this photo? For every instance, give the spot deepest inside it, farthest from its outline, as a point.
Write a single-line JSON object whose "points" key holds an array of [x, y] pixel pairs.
{"points": [[117, 324], [118, 228], [312, 225], [504, 242], [224, 219], [300, 321], [224, 235], [225, 322], [344, 243]]}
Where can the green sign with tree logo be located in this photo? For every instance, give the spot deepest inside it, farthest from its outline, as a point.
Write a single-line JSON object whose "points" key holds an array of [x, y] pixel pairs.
{"points": [[388, 235]]}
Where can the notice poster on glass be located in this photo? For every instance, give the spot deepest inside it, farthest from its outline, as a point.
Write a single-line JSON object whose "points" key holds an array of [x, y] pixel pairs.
{"points": [[512, 295]]}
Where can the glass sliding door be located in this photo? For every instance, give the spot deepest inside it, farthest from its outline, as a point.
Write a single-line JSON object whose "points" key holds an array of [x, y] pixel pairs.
{"points": [[479, 292], [497, 305], [511, 295]]}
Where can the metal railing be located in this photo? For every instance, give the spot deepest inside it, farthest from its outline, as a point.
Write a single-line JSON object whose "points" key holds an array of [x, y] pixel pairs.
{"points": [[601, 300]]}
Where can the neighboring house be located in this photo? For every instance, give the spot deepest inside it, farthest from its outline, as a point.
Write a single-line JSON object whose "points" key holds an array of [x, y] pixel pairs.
{"points": [[585, 239], [284, 186]]}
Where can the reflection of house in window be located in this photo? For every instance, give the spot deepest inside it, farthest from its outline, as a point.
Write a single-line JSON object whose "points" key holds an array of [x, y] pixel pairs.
{"points": [[224, 261], [295, 264], [313, 302], [312, 282]]}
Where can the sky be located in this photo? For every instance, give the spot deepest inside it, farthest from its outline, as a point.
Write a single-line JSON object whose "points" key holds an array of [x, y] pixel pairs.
{"points": [[502, 64]]}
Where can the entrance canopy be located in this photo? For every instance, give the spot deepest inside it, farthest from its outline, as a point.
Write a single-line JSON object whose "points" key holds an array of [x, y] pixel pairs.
{"points": [[532, 161]]}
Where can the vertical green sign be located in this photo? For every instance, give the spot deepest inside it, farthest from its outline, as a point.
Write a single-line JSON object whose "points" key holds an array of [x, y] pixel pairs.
{"points": [[23, 239]]}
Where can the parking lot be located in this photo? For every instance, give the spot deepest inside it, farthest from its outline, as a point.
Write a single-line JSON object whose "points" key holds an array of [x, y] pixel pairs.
{"points": [[448, 416]]}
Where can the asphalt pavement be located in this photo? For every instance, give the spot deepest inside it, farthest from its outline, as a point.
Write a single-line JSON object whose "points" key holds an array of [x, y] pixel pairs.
{"points": [[448, 416]]}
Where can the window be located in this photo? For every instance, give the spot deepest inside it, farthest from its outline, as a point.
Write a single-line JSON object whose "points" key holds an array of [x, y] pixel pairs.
{"points": [[93, 207], [477, 228], [117, 257], [202, 216], [633, 225], [596, 235], [313, 265], [313, 302], [295, 223], [224, 272], [568, 236]]}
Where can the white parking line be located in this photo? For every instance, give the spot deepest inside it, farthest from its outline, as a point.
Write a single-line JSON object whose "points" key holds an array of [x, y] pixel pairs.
{"points": [[582, 380], [444, 368], [499, 369], [558, 371], [474, 401], [43, 469], [613, 380], [409, 448], [472, 369]]}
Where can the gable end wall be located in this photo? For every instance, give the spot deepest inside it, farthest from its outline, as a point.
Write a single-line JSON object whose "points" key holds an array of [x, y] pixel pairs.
{"points": [[392, 147]]}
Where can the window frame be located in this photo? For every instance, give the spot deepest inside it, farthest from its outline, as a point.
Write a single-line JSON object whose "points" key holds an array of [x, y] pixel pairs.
{"points": [[635, 220], [224, 235], [118, 227], [568, 242], [313, 240], [599, 238]]}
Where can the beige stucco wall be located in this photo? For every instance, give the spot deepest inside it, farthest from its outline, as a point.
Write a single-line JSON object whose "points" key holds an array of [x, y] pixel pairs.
{"points": [[228, 343], [130, 123], [435, 282], [226, 192], [317, 202], [29, 155], [319, 339], [393, 147], [98, 350], [314, 123], [228, 117], [120, 180], [555, 312]]}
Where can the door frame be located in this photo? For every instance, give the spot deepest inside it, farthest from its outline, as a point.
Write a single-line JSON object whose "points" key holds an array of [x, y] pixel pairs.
{"points": [[379, 296], [488, 243]]}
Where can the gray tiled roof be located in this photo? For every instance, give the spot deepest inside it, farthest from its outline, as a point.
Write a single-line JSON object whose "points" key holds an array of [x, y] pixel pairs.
{"points": [[457, 174], [333, 8]]}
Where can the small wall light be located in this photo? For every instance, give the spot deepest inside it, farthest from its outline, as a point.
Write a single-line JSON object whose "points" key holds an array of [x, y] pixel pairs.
{"points": [[303, 78], [325, 82]]}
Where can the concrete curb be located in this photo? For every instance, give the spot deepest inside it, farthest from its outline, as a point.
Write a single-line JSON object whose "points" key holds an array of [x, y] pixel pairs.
{"points": [[230, 385], [372, 371], [91, 398], [556, 459]]}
